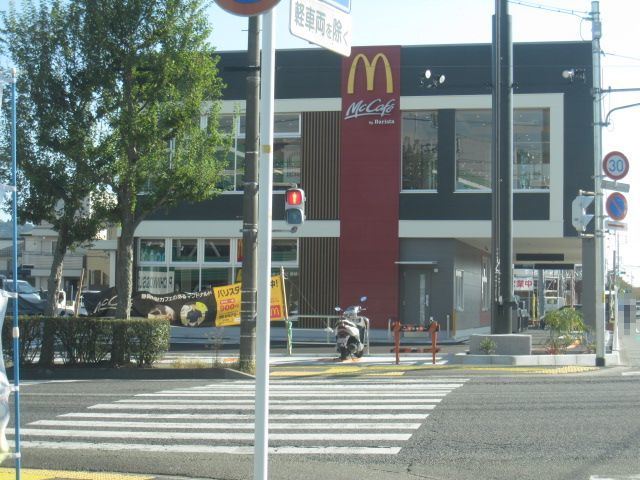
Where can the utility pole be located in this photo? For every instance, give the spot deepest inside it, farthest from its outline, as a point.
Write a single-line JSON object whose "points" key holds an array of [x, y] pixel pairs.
{"points": [[250, 202], [501, 169], [598, 237]]}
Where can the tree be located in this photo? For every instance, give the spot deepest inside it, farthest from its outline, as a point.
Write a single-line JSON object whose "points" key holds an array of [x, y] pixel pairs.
{"points": [[158, 82], [61, 181], [62, 173]]}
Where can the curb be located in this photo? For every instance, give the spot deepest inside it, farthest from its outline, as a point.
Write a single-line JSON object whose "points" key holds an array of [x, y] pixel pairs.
{"points": [[92, 373]]}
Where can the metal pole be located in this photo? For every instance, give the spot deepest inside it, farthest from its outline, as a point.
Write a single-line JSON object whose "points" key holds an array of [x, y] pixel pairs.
{"points": [[596, 30], [250, 202], [260, 471], [502, 167], [16, 329]]}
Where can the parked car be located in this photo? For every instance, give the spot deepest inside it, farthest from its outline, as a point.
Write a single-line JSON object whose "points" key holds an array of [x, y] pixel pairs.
{"points": [[25, 290]]}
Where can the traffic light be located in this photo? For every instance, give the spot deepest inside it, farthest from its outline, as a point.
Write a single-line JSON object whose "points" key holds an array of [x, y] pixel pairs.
{"points": [[294, 206], [579, 216]]}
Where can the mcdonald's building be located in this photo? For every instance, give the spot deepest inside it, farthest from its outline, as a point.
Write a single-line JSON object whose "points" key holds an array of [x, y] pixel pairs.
{"points": [[396, 168]]}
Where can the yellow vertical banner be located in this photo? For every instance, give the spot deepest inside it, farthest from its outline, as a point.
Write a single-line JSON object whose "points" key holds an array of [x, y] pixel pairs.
{"points": [[228, 302]]}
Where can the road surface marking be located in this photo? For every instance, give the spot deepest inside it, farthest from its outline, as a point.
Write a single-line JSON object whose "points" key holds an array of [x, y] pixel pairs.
{"points": [[379, 416], [229, 426], [30, 474], [191, 449]]}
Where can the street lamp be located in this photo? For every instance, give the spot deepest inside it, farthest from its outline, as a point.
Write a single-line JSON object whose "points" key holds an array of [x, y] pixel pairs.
{"points": [[428, 80], [8, 77]]}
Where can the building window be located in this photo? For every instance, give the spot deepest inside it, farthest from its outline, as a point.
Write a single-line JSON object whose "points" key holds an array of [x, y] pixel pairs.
{"points": [[473, 149], [184, 250], [216, 277], [185, 279], [485, 292], [217, 250], [284, 250], [459, 290], [151, 250], [155, 280], [287, 150], [531, 157], [420, 150]]}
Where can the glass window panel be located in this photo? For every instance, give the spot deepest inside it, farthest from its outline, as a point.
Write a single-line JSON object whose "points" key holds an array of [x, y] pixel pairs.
{"points": [[531, 157], [242, 131], [151, 250], [284, 250], [155, 280], [185, 279], [473, 149], [420, 150], [217, 250], [459, 290], [225, 123], [287, 153], [215, 277], [286, 123], [184, 250]]}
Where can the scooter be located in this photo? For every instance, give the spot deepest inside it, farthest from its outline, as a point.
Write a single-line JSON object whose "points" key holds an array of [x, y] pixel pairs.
{"points": [[352, 331]]}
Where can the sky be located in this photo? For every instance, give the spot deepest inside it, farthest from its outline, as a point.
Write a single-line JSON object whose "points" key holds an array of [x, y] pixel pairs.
{"points": [[432, 22]]}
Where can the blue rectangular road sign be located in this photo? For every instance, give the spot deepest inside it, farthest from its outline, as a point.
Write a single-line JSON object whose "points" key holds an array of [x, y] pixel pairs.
{"points": [[344, 5]]}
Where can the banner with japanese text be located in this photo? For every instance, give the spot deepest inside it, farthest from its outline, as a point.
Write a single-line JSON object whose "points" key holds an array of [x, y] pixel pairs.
{"points": [[228, 301]]}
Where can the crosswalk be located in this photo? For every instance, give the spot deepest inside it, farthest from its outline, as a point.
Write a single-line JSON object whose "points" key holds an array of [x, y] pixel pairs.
{"points": [[311, 417]]}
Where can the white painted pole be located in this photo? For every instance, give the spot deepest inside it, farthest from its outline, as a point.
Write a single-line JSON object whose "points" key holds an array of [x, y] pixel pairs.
{"points": [[265, 182]]}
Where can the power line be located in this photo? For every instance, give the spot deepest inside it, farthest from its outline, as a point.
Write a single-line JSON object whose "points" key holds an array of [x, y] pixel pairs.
{"points": [[575, 13]]}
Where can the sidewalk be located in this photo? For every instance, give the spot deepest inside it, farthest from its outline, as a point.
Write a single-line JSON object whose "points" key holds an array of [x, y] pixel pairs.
{"points": [[314, 348]]}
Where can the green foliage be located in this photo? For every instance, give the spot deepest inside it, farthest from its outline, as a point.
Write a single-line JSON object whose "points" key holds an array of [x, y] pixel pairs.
{"points": [[89, 341], [147, 340], [30, 337], [565, 320], [112, 97], [566, 327], [488, 346]]}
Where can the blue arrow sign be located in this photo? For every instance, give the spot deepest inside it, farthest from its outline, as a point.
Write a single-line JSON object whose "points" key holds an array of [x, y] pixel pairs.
{"points": [[617, 206], [344, 5]]}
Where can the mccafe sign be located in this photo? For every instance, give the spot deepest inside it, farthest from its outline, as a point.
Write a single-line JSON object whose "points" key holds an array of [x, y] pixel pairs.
{"points": [[371, 89]]}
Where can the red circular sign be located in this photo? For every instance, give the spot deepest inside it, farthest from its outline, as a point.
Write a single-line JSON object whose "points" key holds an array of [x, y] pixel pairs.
{"points": [[615, 165], [247, 8]]}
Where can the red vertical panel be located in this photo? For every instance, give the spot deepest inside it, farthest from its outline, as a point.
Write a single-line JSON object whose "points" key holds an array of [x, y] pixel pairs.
{"points": [[370, 180]]}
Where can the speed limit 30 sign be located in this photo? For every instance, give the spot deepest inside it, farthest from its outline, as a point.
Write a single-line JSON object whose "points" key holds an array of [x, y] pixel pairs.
{"points": [[615, 165]]}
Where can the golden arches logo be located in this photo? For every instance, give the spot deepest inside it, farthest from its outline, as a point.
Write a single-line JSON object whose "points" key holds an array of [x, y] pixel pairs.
{"points": [[370, 71]]}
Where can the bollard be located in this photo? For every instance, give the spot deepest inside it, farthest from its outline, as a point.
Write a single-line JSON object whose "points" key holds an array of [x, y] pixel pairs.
{"points": [[396, 326], [434, 327]]}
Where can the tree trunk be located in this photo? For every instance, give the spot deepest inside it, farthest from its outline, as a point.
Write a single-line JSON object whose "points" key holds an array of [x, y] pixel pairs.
{"points": [[124, 268], [47, 349], [124, 288]]}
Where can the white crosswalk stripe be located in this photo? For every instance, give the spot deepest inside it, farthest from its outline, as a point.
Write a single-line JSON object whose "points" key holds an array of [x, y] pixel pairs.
{"points": [[346, 416]]}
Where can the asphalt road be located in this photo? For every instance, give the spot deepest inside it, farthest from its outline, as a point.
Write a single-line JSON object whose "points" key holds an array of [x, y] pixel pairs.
{"points": [[454, 425]]}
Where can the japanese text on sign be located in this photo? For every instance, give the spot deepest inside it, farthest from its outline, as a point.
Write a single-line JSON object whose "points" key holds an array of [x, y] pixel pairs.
{"points": [[321, 24], [523, 284]]}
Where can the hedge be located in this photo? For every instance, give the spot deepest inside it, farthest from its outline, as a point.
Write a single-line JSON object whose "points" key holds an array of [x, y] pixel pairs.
{"points": [[85, 341]]}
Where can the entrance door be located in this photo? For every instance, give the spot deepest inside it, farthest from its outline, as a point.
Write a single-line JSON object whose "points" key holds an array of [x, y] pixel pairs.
{"points": [[415, 295]]}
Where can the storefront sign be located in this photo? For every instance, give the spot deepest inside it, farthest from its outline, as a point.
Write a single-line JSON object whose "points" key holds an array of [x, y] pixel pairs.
{"points": [[523, 284], [370, 166], [371, 90], [159, 282]]}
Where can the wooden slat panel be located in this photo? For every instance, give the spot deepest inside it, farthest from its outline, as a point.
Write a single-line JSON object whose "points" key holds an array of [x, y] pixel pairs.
{"points": [[321, 164], [318, 279]]}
